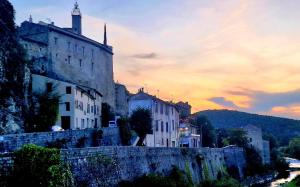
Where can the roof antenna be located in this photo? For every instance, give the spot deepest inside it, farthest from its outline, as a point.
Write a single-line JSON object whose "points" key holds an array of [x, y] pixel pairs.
{"points": [[30, 18]]}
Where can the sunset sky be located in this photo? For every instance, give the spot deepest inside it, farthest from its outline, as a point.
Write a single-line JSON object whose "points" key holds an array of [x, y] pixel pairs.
{"points": [[241, 55]]}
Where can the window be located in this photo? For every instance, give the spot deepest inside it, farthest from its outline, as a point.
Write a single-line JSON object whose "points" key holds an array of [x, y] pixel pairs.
{"points": [[49, 87], [162, 126], [55, 41], [88, 108], [56, 55], [167, 110], [156, 125], [76, 48], [92, 53], [68, 90], [76, 103], [82, 123], [82, 51], [167, 127], [87, 122], [92, 66], [67, 106], [92, 109], [156, 107], [77, 123], [162, 141], [173, 125], [69, 45], [172, 110], [161, 108], [69, 59]]}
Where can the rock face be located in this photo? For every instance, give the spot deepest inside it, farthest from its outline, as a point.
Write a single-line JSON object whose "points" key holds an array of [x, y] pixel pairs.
{"points": [[13, 73]]}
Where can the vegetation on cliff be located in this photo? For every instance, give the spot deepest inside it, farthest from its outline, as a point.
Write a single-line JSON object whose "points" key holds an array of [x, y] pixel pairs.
{"points": [[12, 73]]}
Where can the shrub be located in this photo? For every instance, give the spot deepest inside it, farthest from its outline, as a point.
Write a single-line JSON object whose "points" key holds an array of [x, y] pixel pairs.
{"points": [[58, 144], [39, 166], [97, 136], [125, 132], [81, 142]]}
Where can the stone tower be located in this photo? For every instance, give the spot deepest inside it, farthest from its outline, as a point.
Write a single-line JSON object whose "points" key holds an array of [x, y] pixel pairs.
{"points": [[76, 19]]}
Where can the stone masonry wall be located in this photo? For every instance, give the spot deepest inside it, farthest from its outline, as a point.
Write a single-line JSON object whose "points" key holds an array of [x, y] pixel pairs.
{"points": [[72, 138], [108, 165]]}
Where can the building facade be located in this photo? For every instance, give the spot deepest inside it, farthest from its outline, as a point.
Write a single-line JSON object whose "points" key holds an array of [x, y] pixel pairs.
{"points": [[122, 99], [79, 107], [188, 136], [255, 139], [165, 119], [65, 54]]}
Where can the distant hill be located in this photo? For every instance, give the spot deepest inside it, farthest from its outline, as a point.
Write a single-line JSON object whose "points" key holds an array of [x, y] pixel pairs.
{"points": [[282, 128]]}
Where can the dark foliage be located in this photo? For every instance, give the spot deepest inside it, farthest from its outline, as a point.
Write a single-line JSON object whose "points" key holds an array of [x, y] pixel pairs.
{"points": [[58, 144], [44, 112], [293, 149], [282, 128], [238, 137], [141, 123], [125, 132], [208, 131], [176, 178], [97, 136], [12, 65], [106, 114], [38, 166], [254, 162]]}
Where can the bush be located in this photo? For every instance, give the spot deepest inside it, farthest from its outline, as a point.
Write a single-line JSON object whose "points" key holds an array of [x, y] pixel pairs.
{"points": [[125, 132], [97, 136], [58, 144], [223, 182], [39, 166], [176, 178], [81, 142]]}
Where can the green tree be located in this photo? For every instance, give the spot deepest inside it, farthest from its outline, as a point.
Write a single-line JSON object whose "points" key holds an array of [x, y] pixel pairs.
{"points": [[38, 166], [141, 123], [273, 141], [125, 132], [44, 111], [206, 129], [106, 114], [294, 148], [238, 137]]}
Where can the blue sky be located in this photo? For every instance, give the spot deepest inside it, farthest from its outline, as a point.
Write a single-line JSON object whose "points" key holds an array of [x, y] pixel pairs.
{"points": [[233, 54]]}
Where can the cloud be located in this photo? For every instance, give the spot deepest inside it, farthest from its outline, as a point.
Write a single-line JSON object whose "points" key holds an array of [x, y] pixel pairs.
{"points": [[145, 55], [223, 102]]}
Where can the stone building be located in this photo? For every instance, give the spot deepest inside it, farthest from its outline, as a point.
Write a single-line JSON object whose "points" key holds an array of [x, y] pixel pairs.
{"points": [[188, 136], [79, 107], [165, 119], [184, 109], [254, 135], [66, 54], [122, 99]]}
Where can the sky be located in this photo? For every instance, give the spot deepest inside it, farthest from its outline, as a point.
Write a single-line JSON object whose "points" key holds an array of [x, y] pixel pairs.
{"points": [[234, 54]]}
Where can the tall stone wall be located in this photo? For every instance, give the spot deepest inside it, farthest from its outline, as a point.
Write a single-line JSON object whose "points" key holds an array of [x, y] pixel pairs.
{"points": [[108, 165], [71, 138]]}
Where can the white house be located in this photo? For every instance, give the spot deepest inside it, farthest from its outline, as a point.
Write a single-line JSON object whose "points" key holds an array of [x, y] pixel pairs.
{"points": [[188, 136], [165, 119], [79, 107]]}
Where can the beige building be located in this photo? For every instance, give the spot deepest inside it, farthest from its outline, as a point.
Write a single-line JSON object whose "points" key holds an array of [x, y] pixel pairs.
{"points": [[165, 119]]}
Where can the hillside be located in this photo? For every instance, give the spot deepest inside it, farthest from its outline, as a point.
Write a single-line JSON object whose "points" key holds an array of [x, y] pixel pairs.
{"points": [[282, 128]]}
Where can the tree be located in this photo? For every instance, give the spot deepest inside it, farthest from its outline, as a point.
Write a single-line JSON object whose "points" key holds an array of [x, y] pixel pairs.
{"points": [[273, 141], [12, 71], [141, 123], [44, 111], [238, 137], [125, 132], [294, 148], [38, 166], [208, 132], [106, 114]]}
